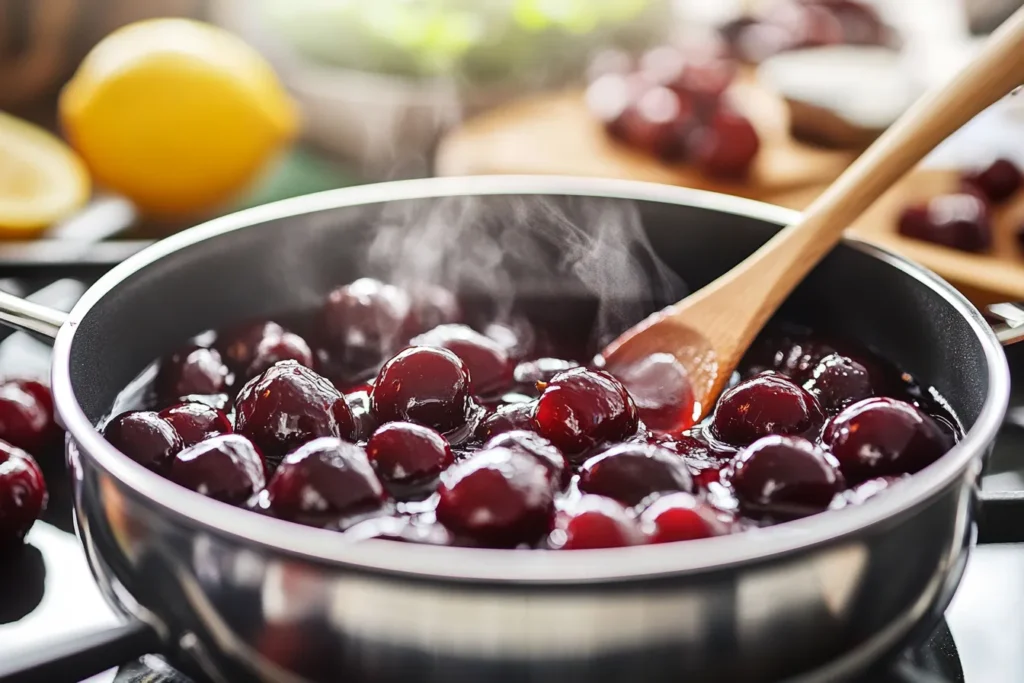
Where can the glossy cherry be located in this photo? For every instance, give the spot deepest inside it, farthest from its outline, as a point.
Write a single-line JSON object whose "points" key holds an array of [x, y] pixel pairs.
{"points": [[959, 221], [997, 182], [658, 122], [497, 497], [838, 381], [425, 385], [364, 423], [405, 454], [785, 477], [237, 345], [287, 406], [26, 415], [364, 322], [196, 422], [23, 494], [537, 446], [513, 416], [594, 522], [764, 405], [272, 350], [193, 370], [145, 437], [629, 473], [681, 517], [582, 408], [884, 436], [490, 369], [660, 388], [727, 146], [325, 482], [227, 468]]}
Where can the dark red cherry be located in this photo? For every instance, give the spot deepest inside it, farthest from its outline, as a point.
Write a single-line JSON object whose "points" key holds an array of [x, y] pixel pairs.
{"points": [[490, 370], [498, 498], [272, 350], [785, 476], [192, 370], [581, 408], [764, 405], [287, 406], [529, 372], [838, 381], [403, 529], [959, 221], [610, 96], [26, 415], [593, 522], [363, 323], [705, 80], [659, 122], [145, 437], [23, 494], [237, 346], [661, 390], [513, 416], [727, 146], [405, 454], [883, 436], [425, 385], [326, 481], [538, 447], [196, 422], [432, 306], [681, 517], [629, 473], [997, 182], [226, 468]]}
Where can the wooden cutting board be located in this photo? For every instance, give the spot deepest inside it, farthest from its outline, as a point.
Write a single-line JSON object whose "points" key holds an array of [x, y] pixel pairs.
{"points": [[556, 134]]}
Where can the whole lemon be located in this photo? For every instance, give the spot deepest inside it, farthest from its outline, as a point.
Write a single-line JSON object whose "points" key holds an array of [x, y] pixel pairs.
{"points": [[175, 114]]}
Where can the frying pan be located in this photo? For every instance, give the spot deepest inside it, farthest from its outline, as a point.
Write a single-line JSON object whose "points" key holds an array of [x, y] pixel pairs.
{"points": [[232, 596]]}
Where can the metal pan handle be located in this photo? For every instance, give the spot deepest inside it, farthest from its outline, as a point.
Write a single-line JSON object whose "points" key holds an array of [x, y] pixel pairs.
{"points": [[30, 317]]}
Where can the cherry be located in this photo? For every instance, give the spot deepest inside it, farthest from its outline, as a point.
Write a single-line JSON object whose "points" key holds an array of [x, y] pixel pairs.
{"points": [[498, 497], [26, 415], [998, 182], [837, 381], [681, 517], [514, 416], [528, 373], [363, 323], [490, 370], [594, 522], [192, 370], [793, 356], [432, 306], [610, 96], [23, 494], [629, 473], [325, 481], [959, 221], [405, 454], [538, 447], [287, 406], [658, 122], [883, 436], [145, 437], [660, 388], [227, 468], [358, 401], [274, 349], [403, 529], [581, 408], [705, 80], [196, 422], [764, 405], [237, 346], [425, 385], [785, 476], [726, 147]]}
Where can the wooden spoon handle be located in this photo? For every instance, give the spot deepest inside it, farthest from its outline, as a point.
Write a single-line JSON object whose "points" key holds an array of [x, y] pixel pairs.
{"points": [[768, 276]]}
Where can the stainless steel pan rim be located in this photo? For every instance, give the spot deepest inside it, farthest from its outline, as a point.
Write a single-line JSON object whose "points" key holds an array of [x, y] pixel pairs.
{"points": [[497, 565]]}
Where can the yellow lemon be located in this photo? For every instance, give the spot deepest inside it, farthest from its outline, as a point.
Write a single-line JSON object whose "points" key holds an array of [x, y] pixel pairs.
{"points": [[175, 114], [41, 179]]}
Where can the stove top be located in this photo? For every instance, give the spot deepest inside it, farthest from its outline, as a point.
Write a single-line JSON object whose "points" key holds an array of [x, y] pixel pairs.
{"points": [[47, 591]]}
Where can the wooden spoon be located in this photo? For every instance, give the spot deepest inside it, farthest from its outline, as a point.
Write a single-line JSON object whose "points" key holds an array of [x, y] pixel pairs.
{"points": [[709, 331]]}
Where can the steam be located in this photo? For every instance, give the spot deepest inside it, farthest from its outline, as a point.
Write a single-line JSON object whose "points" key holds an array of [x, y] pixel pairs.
{"points": [[502, 247]]}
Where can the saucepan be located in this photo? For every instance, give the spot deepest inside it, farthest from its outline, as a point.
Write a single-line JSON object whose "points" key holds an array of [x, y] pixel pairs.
{"points": [[229, 595]]}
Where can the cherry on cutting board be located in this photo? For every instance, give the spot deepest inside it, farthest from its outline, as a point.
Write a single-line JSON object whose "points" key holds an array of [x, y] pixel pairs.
{"points": [[959, 221], [23, 494]]}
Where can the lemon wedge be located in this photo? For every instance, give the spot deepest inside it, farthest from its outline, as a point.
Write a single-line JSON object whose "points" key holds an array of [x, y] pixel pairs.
{"points": [[176, 114], [41, 179]]}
